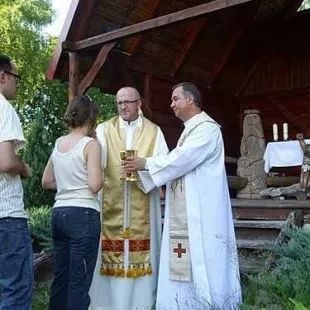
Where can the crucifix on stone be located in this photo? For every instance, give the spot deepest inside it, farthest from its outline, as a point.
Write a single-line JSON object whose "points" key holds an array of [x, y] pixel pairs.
{"points": [[179, 250]]}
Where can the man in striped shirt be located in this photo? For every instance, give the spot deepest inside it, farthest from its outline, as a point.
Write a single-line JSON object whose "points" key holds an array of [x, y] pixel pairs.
{"points": [[16, 274]]}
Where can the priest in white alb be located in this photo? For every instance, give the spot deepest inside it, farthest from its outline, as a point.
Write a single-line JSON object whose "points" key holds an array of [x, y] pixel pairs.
{"points": [[199, 263], [126, 272]]}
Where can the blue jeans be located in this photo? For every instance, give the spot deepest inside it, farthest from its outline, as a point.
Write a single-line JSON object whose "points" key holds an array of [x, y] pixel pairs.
{"points": [[76, 234], [16, 259]]}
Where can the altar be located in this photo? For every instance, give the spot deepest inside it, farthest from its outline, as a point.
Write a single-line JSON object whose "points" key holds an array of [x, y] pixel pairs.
{"points": [[283, 154]]}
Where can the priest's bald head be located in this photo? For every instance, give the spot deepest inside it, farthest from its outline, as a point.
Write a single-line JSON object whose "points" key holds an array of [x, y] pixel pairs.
{"points": [[128, 104], [185, 100]]}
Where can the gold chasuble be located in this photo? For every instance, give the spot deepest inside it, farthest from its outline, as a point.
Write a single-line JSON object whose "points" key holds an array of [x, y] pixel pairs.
{"points": [[114, 215]]}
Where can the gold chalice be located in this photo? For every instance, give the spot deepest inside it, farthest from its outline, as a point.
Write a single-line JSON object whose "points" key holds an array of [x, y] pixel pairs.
{"points": [[129, 176]]}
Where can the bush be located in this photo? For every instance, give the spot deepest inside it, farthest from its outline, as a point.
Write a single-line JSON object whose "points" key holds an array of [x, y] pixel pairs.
{"points": [[39, 220], [288, 282]]}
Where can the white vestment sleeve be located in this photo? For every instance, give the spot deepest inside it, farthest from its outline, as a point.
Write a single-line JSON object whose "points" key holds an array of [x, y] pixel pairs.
{"points": [[161, 148], [198, 146], [101, 139]]}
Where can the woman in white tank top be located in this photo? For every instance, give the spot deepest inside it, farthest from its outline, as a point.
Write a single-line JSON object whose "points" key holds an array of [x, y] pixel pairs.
{"points": [[74, 170]]}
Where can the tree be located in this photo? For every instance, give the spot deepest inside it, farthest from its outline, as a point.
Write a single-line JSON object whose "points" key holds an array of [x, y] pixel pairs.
{"points": [[40, 103]]}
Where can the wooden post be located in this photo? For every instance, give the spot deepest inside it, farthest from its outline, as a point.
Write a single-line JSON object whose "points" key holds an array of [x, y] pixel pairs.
{"points": [[73, 74], [97, 65], [147, 97]]}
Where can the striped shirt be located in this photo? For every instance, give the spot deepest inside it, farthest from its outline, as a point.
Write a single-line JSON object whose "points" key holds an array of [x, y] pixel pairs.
{"points": [[11, 190]]}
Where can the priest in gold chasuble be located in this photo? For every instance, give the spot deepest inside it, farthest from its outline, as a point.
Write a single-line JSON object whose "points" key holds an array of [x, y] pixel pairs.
{"points": [[126, 272]]}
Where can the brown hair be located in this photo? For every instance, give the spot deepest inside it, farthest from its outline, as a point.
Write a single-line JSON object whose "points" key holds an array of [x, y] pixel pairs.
{"points": [[81, 110]]}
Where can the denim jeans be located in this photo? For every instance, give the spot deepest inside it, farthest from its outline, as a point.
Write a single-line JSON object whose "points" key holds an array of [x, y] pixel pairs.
{"points": [[76, 234], [16, 259]]}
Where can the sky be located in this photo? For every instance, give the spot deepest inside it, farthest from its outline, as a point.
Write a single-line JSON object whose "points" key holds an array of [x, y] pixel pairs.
{"points": [[61, 7]]}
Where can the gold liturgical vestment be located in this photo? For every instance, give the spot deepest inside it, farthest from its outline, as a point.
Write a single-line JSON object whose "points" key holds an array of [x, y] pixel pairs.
{"points": [[113, 212]]}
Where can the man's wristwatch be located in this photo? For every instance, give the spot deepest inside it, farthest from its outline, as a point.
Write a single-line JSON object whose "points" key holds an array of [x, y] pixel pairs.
{"points": [[145, 166]]}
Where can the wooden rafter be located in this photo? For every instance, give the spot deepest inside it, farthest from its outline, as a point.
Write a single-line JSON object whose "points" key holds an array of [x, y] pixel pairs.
{"points": [[73, 74], [119, 61], [136, 41], [80, 28], [288, 115], [190, 35], [97, 65], [247, 19], [292, 8], [152, 24], [261, 56], [62, 37]]}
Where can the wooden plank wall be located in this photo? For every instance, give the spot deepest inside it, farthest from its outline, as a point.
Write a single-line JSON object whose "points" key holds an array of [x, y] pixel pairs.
{"points": [[159, 99]]}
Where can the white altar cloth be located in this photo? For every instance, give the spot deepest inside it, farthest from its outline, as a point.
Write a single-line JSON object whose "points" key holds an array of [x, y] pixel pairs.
{"points": [[283, 154]]}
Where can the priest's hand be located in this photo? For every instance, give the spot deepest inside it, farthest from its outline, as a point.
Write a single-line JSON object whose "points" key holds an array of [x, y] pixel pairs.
{"points": [[133, 164]]}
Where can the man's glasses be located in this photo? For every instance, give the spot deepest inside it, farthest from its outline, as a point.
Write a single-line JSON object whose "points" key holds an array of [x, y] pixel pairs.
{"points": [[16, 76], [126, 102]]}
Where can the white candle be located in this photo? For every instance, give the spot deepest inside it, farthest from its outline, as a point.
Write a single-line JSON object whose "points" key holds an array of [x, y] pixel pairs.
{"points": [[285, 131], [275, 132]]}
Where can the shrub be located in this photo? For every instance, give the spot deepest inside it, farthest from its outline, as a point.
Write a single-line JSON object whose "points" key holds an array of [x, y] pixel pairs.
{"points": [[288, 280], [39, 220]]}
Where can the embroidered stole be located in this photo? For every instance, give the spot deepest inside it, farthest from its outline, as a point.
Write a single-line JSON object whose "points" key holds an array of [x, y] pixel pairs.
{"points": [[114, 215], [179, 249]]}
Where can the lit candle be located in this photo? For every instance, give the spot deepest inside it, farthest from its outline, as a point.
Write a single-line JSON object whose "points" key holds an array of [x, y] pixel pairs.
{"points": [[275, 132], [285, 131]]}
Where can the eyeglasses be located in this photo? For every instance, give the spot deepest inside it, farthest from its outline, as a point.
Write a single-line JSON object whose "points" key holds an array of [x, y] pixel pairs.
{"points": [[16, 76], [126, 102]]}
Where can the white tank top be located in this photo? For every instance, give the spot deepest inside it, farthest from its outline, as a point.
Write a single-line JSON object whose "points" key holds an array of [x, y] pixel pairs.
{"points": [[70, 170]]}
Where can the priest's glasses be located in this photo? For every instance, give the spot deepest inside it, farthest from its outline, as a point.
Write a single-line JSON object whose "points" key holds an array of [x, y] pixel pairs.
{"points": [[129, 176]]}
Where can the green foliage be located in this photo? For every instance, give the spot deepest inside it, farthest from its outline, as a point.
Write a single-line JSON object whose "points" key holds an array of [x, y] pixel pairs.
{"points": [[106, 103], [288, 280], [39, 220], [43, 125], [41, 298], [20, 38], [40, 103], [298, 305]]}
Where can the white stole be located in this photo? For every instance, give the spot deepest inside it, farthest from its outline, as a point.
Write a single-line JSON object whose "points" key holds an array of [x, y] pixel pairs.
{"points": [[179, 249]]}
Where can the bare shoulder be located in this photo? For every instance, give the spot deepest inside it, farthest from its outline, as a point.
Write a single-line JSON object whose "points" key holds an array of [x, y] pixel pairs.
{"points": [[93, 144]]}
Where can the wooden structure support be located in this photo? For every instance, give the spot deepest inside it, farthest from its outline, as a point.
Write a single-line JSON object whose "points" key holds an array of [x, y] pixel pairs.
{"points": [[287, 114], [136, 41], [191, 36], [73, 74], [92, 73], [152, 24]]}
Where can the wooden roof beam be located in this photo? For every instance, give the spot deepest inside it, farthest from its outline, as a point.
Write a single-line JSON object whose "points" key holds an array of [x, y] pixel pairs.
{"points": [[191, 36], [62, 37], [234, 41], [136, 41], [92, 73], [152, 24], [256, 63], [288, 115]]}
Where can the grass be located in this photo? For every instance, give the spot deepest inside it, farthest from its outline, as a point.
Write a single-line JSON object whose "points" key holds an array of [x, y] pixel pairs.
{"points": [[287, 282], [40, 297]]}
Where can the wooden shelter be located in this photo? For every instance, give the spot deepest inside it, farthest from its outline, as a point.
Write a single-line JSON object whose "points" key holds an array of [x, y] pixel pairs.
{"points": [[241, 53]]}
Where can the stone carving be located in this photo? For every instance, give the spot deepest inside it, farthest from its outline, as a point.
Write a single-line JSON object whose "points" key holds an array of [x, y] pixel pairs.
{"points": [[290, 191], [251, 163], [305, 167]]}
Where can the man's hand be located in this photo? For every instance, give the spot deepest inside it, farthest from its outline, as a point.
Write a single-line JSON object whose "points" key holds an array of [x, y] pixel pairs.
{"points": [[133, 164], [26, 173]]}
